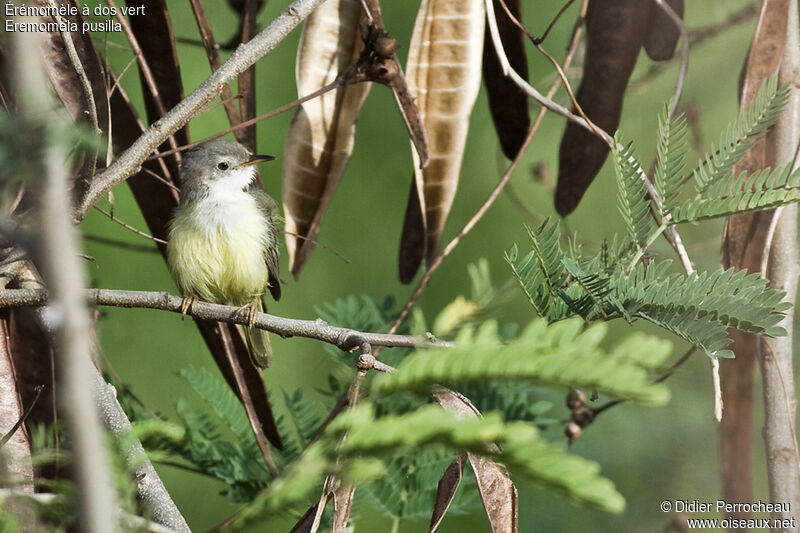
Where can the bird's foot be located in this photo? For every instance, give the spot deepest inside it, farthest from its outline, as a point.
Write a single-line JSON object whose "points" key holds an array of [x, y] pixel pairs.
{"points": [[187, 304], [251, 311]]}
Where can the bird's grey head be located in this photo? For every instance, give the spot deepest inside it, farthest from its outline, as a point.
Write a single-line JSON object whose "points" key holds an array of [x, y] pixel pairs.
{"points": [[217, 165]]}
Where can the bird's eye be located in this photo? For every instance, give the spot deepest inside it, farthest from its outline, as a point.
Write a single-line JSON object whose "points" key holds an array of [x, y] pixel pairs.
{"points": [[222, 166]]}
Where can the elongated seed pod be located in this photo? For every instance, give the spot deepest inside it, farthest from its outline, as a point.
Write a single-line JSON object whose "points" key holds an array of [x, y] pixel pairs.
{"points": [[662, 33], [615, 30], [320, 139], [443, 73], [507, 102]]}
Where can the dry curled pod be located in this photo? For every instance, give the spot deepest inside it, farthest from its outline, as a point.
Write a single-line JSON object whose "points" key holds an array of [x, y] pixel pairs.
{"points": [[508, 103], [321, 136], [443, 73], [615, 30], [662, 33]]}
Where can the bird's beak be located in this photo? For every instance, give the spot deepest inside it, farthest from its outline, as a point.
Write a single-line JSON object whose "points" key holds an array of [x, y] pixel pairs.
{"points": [[255, 159]]}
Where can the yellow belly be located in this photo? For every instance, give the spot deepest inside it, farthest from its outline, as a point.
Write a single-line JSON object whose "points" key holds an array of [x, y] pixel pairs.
{"points": [[223, 264]]}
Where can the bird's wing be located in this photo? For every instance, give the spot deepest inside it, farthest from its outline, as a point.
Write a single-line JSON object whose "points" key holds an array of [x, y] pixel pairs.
{"points": [[269, 207]]}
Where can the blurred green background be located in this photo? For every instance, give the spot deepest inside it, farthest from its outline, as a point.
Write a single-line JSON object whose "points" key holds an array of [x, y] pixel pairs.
{"points": [[651, 454]]}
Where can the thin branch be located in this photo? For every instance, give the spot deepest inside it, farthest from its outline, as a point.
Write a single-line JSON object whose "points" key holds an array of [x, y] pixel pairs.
{"points": [[662, 378], [213, 59], [177, 117], [137, 52], [550, 26], [143, 65], [344, 338], [338, 82], [129, 227], [10, 433], [546, 102], [684, 67]]}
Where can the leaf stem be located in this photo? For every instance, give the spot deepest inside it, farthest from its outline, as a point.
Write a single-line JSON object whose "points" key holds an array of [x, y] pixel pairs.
{"points": [[650, 240]]}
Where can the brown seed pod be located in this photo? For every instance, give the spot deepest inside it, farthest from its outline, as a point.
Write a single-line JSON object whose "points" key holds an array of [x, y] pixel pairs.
{"points": [[321, 136], [443, 73], [508, 103], [662, 34], [615, 30]]}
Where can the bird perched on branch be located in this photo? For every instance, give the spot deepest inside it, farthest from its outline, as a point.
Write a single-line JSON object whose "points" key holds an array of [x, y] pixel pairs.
{"points": [[223, 237]]}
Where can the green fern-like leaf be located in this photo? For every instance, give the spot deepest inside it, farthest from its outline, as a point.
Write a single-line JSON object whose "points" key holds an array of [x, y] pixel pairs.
{"points": [[671, 152], [741, 134], [590, 301], [560, 354], [701, 308], [515, 400], [632, 194], [237, 465], [765, 189], [541, 272], [298, 424], [220, 398], [520, 447], [408, 490]]}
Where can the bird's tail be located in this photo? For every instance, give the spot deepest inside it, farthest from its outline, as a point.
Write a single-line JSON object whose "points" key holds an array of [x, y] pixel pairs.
{"points": [[258, 343]]}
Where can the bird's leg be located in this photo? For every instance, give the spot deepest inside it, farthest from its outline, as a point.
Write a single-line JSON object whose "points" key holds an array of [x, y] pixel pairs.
{"points": [[187, 304], [252, 309]]}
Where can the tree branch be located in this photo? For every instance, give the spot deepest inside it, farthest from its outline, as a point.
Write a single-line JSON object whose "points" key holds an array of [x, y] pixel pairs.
{"points": [[783, 269], [344, 338]]}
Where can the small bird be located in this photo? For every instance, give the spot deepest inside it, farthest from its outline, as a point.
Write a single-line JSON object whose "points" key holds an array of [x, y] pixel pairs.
{"points": [[223, 236]]}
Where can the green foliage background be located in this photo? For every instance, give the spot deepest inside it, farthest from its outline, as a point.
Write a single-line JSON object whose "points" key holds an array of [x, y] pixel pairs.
{"points": [[650, 453]]}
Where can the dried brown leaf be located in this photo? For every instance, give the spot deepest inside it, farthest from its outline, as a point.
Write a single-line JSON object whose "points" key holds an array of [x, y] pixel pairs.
{"points": [[498, 493], [306, 521], [443, 73], [615, 30], [446, 491], [321, 136]]}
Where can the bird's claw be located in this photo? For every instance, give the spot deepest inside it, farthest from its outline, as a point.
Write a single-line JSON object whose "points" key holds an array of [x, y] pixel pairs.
{"points": [[250, 311], [187, 304]]}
